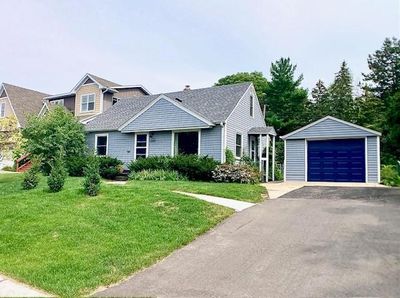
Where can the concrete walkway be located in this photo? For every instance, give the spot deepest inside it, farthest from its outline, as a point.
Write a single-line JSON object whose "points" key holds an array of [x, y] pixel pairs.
{"points": [[234, 204], [277, 189], [13, 288]]}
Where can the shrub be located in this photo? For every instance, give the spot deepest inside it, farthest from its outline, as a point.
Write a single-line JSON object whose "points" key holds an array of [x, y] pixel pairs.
{"points": [[236, 173], [390, 176], [76, 165], [92, 181], [110, 167], [229, 157], [57, 175], [151, 163], [158, 175], [8, 169], [246, 160], [278, 174], [31, 177], [194, 167]]}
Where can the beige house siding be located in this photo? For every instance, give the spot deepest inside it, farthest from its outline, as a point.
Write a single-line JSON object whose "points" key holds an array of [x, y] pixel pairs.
{"points": [[9, 111], [88, 89], [129, 92]]}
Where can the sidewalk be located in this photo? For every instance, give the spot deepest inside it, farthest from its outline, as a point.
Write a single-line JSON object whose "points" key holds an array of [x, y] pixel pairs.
{"points": [[13, 288]]}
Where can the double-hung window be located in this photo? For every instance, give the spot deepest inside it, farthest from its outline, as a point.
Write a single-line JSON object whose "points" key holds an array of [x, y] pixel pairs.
{"points": [[238, 145], [2, 109], [141, 146], [251, 106], [102, 144], [87, 102]]}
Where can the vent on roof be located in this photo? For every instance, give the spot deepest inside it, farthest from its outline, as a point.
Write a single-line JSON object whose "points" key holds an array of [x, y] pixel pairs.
{"points": [[178, 99], [187, 87], [88, 81]]}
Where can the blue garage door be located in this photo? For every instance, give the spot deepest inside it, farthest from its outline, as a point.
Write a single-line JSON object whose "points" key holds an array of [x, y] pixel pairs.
{"points": [[336, 160]]}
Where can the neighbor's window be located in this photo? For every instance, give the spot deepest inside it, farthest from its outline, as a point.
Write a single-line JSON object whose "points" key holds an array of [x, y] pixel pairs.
{"points": [[238, 145], [87, 103], [58, 102], [141, 146], [2, 110], [101, 144], [251, 106]]}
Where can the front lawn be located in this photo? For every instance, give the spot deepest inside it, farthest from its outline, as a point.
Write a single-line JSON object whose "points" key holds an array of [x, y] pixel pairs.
{"points": [[69, 244]]}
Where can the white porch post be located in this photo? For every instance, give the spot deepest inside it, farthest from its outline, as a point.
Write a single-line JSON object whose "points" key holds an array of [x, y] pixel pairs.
{"points": [[273, 158], [260, 152], [267, 161]]}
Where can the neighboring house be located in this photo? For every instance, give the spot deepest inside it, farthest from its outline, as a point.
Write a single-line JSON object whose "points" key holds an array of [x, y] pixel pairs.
{"points": [[332, 150], [93, 95], [203, 121], [19, 103]]}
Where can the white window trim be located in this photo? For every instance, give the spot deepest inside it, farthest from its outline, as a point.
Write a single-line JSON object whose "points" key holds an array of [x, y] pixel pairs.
{"points": [[185, 130], [95, 142], [147, 144], [241, 146], [2, 109], [94, 103]]}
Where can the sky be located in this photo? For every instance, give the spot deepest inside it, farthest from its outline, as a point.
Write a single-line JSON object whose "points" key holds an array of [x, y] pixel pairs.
{"points": [[49, 45]]}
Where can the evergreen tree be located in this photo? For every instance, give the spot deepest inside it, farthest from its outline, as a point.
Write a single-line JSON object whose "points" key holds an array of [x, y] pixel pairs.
{"points": [[320, 105], [393, 126], [341, 95], [286, 100]]}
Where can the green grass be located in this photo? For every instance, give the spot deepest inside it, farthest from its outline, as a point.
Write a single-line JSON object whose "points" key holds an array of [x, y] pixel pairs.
{"points": [[69, 244]]}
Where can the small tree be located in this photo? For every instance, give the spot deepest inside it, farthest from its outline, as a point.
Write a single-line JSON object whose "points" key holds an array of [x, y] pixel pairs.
{"points": [[57, 176], [229, 158], [31, 177], [92, 181], [58, 131]]}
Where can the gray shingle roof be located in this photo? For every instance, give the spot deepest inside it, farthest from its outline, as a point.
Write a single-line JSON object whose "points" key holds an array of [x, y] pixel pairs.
{"points": [[262, 130], [213, 103], [24, 101], [104, 82]]}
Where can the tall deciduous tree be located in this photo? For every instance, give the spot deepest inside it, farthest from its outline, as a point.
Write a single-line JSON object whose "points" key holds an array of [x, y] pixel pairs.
{"points": [[256, 77], [341, 95], [286, 100], [57, 133]]}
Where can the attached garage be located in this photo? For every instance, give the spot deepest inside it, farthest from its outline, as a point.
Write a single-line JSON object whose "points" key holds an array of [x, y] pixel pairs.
{"points": [[332, 150]]}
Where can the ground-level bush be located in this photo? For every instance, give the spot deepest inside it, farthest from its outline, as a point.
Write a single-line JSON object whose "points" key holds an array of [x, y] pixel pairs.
{"points": [[31, 177], [110, 167], [92, 182], [194, 167], [157, 175], [57, 175], [76, 165], [236, 173], [8, 169], [390, 176]]}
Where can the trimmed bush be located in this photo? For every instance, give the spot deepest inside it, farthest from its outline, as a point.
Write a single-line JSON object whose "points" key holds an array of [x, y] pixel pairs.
{"points": [[390, 176], [57, 175], [193, 167], [229, 157], [76, 165], [31, 177], [110, 167], [92, 182], [236, 173], [157, 175]]}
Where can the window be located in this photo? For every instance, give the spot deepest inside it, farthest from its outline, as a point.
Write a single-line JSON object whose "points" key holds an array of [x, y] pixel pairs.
{"points": [[251, 106], [2, 110], [141, 146], [87, 103], [238, 145], [186, 142], [101, 145], [58, 102]]}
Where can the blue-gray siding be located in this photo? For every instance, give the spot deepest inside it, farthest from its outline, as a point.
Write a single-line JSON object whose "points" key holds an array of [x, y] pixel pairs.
{"points": [[372, 159], [164, 115], [330, 128], [211, 142], [295, 161], [160, 143], [240, 121]]}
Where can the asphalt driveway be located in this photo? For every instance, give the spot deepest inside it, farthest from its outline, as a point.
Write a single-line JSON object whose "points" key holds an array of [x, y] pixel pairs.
{"points": [[312, 242]]}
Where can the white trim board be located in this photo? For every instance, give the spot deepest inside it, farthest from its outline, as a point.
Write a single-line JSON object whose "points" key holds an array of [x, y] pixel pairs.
{"points": [[164, 97], [334, 119], [95, 142]]}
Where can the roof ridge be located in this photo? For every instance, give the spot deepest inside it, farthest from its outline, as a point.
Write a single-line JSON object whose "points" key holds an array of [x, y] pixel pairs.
{"points": [[15, 86]]}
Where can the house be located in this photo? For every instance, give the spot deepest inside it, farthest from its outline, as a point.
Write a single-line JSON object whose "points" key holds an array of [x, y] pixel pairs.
{"points": [[333, 150], [93, 95], [202, 121], [19, 103]]}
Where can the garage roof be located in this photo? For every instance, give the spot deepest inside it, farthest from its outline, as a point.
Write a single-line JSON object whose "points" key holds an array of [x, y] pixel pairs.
{"points": [[330, 127]]}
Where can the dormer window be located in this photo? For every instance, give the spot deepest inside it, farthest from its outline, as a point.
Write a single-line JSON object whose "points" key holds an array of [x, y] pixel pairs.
{"points": [[87, 102], [251, 106]]}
